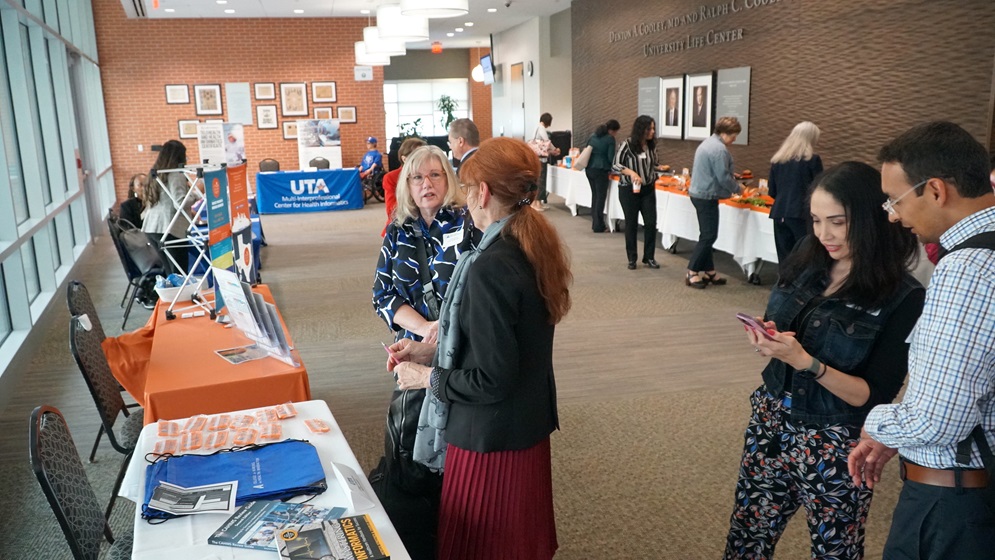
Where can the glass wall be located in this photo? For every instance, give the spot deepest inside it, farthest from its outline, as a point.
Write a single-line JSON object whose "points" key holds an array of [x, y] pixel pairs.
{"points": [[49, 82]]}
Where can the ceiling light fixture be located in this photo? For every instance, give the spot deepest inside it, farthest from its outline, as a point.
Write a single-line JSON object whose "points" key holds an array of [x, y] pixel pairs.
{"points": [[450, 34], [468, 24], [459, 29], [229, 11], [435, 8], [221, 1], [298, 11], [364, 12], [477, 74], [491, 10], [363, 58], [377, 45], [393, 25], [170, 10]]}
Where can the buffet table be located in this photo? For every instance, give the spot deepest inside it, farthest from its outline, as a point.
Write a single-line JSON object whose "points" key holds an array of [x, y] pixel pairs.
{"points": [[746, 233]]}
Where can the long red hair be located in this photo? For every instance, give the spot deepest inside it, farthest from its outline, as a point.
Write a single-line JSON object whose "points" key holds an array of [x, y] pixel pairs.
{"points": [[511, 170]]}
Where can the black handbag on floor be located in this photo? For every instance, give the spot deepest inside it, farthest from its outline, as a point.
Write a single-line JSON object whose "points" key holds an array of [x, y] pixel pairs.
{"points": [[408, 490]]}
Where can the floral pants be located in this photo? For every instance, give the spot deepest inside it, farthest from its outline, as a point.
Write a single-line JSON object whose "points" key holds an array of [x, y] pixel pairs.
{"points": [[787, 466]]}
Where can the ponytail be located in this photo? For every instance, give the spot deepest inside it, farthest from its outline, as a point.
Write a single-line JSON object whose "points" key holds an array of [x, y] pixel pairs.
{"points": [[546, 253]]}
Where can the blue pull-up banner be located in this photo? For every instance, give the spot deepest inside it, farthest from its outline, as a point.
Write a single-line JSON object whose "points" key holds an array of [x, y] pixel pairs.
{"points": [[279, 192]]}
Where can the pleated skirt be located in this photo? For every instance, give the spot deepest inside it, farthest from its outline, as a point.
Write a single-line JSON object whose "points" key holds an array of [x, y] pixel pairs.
{"points": [[497, 505]]}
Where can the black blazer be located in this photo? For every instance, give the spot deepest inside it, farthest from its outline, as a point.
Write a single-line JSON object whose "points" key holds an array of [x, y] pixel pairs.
{"points": [[788, 184], [502, 394], [131, 210]]}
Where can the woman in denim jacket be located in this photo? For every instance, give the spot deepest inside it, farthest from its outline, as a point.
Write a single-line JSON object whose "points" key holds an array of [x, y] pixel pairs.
{"points": [[837, 322]]}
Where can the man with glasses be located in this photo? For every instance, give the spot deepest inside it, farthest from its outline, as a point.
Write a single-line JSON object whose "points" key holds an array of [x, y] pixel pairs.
{"points": [[936, 179], [463, 140]]}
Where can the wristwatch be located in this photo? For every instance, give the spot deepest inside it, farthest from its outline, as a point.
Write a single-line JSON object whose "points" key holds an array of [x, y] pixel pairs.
{"points": [[812, 370]]}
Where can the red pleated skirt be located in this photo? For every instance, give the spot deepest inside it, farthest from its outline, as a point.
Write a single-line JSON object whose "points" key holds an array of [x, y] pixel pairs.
{"points": [[497, 505]]}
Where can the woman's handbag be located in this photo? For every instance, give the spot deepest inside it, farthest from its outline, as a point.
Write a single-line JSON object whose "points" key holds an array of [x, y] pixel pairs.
{"points": [[582, 160]]}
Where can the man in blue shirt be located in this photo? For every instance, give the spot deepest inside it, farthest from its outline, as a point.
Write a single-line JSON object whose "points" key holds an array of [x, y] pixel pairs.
{"points": [[372, 161], [936, 179]]}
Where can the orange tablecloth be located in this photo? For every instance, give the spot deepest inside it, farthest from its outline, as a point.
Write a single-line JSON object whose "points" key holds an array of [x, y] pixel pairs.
{"points": [[185, 377], [128, 358]]}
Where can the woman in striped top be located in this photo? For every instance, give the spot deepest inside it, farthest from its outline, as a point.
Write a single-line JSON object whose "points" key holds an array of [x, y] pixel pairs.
{"points": [[636, 163]]}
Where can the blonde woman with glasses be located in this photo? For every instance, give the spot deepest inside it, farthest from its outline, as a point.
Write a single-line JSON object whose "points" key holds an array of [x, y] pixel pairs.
{"points": [[426, 232], [791, 172]]}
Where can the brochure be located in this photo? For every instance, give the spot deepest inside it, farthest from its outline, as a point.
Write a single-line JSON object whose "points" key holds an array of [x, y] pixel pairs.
{"points": [[242, 354], [256, 524], [348, 538], [210, 498]]}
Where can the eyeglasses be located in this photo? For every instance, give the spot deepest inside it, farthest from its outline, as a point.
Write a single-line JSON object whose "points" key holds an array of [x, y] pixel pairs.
{"points": [[889, 205], [419, 180], [465, 188]]}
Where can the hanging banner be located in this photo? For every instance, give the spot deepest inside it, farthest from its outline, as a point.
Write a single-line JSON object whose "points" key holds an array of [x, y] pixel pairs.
{"points": [[319, 138], [241, 224], [211, 143]]}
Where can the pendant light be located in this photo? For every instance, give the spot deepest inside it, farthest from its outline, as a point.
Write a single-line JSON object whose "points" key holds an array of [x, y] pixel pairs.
{"points": [[477, 74], [435, 8], [379, 46], [392, 24], [365, 59]]}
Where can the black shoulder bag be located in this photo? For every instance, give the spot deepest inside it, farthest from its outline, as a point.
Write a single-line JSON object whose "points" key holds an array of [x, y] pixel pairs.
{"points": [[408, 490], [984, 240]]}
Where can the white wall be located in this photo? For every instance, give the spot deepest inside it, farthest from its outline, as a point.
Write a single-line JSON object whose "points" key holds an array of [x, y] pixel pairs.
{"points": [[546, 43]]}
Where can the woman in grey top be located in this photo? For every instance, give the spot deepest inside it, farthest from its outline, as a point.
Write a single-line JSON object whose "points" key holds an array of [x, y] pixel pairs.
{"points": [[711, 180], [160, 207]]}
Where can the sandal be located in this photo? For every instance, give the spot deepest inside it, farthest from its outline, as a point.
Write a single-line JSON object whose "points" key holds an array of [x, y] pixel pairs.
{"points": [[696, 284], [709, 278]]}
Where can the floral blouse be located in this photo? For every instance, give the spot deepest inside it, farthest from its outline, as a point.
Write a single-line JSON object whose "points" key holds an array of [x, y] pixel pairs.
{"points": [[398, 280]]}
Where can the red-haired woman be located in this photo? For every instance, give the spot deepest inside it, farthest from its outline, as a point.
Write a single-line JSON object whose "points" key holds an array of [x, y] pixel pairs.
{"points": [[492, 379]]}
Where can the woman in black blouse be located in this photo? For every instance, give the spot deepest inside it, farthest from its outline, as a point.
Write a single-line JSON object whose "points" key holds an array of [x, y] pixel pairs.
{"points": [[131, 207], [636, 165], [493, 374]]}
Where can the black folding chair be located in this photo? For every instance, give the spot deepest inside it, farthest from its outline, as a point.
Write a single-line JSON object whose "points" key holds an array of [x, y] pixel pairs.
{"points": [[269, 164], [55, 462], [92, 362], [148, 260], [319, 163]]}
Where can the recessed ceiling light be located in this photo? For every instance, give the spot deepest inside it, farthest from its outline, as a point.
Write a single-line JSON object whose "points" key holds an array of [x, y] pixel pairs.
{"points": [[364, 12], [298, 11], [170, 10], [229, 11], [450, 34], [221, 1], [468, 24], [459, 29], [491, 10]]}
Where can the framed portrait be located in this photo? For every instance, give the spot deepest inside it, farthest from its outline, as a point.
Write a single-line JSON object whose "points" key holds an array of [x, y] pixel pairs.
{"points": [[293, 100], [671, 108], [322, 113], [289, 130], [699, 91], [323, 92], [207, 99], [265, 90], [177, 94], [188, 128], [266, 117], [347, 114]]}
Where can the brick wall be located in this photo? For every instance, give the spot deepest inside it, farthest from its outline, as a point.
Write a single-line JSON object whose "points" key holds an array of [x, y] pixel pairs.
{"points": [[862, 70], [480, 98], [138, 57]]}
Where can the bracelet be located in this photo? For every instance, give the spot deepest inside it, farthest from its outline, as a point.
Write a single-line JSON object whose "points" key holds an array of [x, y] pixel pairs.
{"points": [[825, 368]]}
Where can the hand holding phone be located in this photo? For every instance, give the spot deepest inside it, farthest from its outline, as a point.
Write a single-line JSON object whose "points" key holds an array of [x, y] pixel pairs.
{"points": [[752, 323]]}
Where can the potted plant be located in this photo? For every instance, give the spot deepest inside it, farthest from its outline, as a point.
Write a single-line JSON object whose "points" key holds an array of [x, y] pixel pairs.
{"points": [[447, 105]]}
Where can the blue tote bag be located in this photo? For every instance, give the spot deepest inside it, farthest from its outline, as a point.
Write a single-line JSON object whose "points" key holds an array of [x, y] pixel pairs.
{"points": [[272, 471]]}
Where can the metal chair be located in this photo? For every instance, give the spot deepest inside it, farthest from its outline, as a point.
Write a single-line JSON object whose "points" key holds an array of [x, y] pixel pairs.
{"points": [[55, 462], [147, 258], [269, 164], [115, 225], [319, 163], [92, 363]]}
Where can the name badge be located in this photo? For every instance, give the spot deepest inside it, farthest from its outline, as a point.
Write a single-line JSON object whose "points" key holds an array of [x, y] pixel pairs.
{"points": [[642, 155], [452, 238]]}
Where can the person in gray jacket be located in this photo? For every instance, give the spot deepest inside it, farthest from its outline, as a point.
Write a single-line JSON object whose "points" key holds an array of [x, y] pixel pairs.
{"points": [[711, 180]]}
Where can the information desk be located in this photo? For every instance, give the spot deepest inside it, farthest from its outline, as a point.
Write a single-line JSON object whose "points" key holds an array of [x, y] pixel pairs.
{"points": [[283, 192], [186, 537], [186, 377]]}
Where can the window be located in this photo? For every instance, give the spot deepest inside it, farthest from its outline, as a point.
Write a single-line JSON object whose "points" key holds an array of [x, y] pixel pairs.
{"points": [[407, 101], [29, 76], [4, 310], [30, 264], [10, 143], [53, 241]]}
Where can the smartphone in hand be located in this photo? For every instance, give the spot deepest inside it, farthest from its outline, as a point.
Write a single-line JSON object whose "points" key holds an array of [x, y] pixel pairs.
{"points": [[752, 323]]}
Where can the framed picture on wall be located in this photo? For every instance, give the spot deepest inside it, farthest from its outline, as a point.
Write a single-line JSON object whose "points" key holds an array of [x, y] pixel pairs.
{"points": [[265, 90], [188, 128], [699, 91], [672, 108], [208, 99], [289, 130], [177, 94], [323, 92], [347, 114], [266, 117], [322, 113], [293, 100]]}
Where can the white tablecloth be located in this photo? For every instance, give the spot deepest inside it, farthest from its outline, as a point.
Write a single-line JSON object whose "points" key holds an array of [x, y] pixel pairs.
{"points": [[746, 235], [185, 538]]}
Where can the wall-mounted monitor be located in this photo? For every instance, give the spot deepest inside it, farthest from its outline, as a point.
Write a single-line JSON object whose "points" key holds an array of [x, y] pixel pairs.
{"points": [[488, 66]]}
